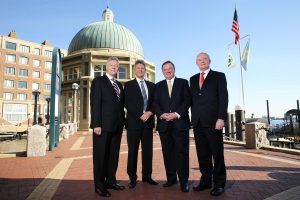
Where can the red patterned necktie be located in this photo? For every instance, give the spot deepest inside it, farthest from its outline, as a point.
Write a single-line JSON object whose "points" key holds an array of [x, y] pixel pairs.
{"points": [[201, 79]]}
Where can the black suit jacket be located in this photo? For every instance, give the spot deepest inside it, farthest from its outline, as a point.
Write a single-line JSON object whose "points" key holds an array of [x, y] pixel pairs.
{"points": [[107, 111], [179, 102], [211, 102], [134, 105]]}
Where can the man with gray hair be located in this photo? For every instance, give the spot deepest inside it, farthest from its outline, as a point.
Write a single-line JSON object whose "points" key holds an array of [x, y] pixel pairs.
{"points": [[107, 121]]}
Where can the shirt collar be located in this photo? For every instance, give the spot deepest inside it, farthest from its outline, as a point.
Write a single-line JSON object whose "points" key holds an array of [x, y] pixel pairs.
{"points": [[110, 77], [139, 80], [172, 80]]}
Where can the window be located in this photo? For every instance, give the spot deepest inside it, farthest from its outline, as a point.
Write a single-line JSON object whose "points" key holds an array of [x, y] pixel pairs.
{"points": [[99, 70], [10, 70], [47, 76], [23, 72], [22, 84], [36, 74], [10, 45], [15, 112], [70, 74], [62, 55], [48, 53], [48, 64], [25, 49], [9, 83], [76, 75], [35, 86], [36, 63], [22, 96], [122, 73], [8, 95], [10, 58], [37, 51], [23, 60], [47, 87]]}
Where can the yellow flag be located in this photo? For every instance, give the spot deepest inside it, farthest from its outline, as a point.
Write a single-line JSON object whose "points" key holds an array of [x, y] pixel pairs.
{"points": [[230, 61], [245, 56]]}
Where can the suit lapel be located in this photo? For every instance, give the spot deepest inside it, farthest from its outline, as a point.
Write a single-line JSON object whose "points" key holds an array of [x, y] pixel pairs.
{"points": [[175, 83], [109, 85], [137, 88], [208, 77]]}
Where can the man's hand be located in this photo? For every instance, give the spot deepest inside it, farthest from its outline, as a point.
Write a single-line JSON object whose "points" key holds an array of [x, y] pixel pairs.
{"points": [[171, 117], [220, 124], [146, 116], [164, 116], [97, 130]]}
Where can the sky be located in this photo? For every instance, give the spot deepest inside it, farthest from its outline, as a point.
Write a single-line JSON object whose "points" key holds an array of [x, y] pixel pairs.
{"points": [[178, 31]]}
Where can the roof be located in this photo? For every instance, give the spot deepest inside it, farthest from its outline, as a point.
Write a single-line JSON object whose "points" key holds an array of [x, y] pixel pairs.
{"points": [[105, 34]]}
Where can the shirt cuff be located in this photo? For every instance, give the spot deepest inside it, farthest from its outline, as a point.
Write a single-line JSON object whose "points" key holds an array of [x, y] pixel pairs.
{"points": [[178, 116]]}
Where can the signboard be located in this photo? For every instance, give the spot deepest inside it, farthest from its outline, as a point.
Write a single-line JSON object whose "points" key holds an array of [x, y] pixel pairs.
{"points": [[55, 96]]}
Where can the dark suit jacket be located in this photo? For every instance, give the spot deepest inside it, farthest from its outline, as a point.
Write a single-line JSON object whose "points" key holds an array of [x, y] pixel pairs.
{"points": [[134, 105], [179, 102], [211, 102], [107, 111]]}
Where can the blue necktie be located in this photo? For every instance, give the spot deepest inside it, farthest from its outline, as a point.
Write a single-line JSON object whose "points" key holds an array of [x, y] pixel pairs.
{"points": [[144, 94]]}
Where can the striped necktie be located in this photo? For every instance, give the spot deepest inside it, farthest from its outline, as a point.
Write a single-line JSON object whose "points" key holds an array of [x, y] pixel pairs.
{"points": [[117, 91], [144, 94]]}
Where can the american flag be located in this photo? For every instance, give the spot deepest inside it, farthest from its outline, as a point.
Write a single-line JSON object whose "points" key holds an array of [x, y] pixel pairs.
{"points": [[235, 27]]}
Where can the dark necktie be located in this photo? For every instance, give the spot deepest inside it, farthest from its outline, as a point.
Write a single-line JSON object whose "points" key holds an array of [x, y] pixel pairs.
{"points": [[144, 94], [116, 88], [201, 79]]}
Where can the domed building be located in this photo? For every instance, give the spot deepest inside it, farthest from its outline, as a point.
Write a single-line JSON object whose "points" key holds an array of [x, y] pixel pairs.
{"points": [[87, 55]]}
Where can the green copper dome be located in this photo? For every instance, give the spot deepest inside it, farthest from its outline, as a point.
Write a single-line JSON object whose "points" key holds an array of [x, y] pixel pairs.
{"points": [[106, 34]]}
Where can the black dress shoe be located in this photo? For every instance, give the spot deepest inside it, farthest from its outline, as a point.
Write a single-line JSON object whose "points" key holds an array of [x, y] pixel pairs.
{"points": [[132, 184], [217, 191], [150, 181], [169, 183], [116, 186], [201, 187], [184, 187], [102, 192]]}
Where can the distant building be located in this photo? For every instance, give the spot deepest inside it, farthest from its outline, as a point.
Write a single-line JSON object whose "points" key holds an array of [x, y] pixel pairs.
{"points": [[24, 66], [87, 56]]}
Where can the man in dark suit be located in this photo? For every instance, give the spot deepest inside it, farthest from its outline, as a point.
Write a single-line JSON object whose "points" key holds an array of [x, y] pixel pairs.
{"points": [[107, 121], [209, 110], [140, 124], [171, 103]]}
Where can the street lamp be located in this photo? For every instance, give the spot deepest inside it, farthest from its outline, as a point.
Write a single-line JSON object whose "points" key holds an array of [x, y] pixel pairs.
{"points": [[48, 103], [36, 94], [75, 87]]}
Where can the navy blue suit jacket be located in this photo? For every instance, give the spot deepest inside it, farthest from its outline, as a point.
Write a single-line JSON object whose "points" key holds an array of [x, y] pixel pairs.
{"points": [[179, 102], [107, 111], [211, 102], [134, 105]]}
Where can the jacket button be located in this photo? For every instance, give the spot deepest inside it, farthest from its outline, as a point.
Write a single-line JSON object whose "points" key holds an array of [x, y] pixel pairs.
{"points": [[199, 94]]}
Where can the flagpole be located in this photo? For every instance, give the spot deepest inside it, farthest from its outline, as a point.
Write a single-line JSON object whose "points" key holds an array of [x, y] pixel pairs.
{"points": [[248, 35], [242, 81]]}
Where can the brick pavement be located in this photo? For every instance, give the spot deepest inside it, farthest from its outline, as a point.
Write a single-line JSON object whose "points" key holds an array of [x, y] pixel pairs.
{"points": [[66, 173]]}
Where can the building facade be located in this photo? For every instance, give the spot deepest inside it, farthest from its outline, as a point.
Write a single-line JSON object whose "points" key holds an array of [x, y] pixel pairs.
{"points": [[87, 55], [24, 67]]}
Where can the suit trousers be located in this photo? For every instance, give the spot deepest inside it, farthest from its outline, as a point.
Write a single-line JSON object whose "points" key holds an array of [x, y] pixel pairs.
{"points": [[210, 152], [134, 137], [175, 148], [106, 149]]}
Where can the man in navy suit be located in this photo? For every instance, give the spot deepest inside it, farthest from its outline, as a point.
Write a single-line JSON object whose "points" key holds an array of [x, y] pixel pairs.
{"points": [[140, 124], [171, 103], [209, 111], [107, 121]]}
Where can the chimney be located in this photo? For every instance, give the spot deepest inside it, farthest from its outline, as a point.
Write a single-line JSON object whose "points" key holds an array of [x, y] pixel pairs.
{"points": [[47, 43], [12, 34]]}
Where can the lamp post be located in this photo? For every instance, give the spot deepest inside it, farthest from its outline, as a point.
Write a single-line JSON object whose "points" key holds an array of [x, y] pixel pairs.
{"points": [[48, 107], [36, 94], [75, 87]]}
